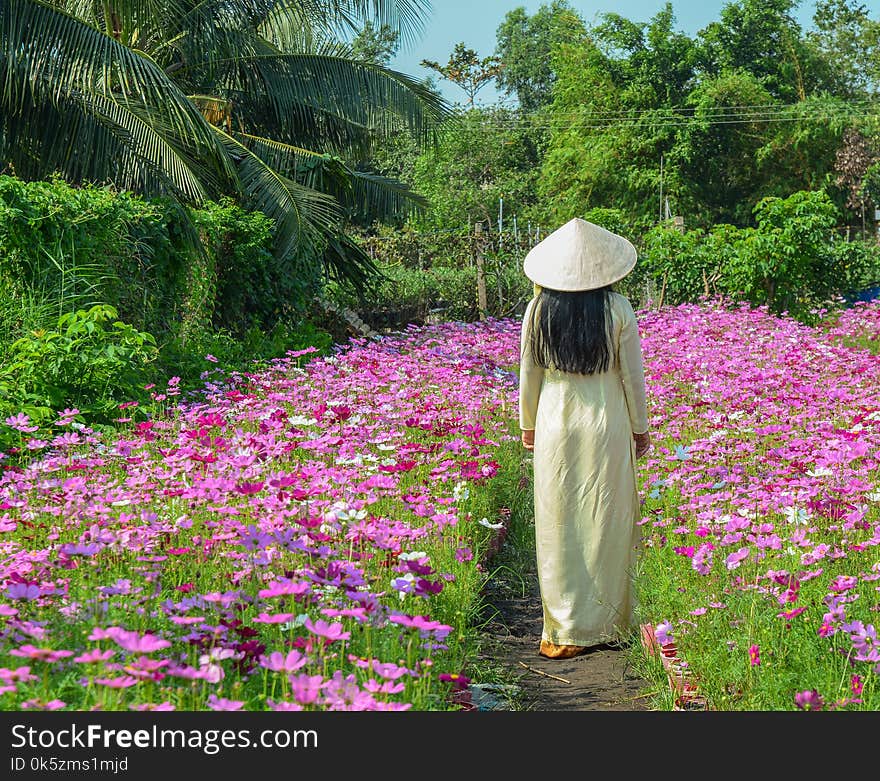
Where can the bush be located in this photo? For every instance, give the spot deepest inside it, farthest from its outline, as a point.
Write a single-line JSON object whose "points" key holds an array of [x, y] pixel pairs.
{"points": [[407, 295], [91, 361]]}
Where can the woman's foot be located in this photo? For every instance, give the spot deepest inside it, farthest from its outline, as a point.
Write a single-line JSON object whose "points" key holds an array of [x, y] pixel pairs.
{"points": [[553, 651]]}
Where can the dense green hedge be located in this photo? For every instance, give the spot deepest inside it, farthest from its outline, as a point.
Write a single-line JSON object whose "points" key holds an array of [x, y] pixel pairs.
{"points": [[103, 292]]}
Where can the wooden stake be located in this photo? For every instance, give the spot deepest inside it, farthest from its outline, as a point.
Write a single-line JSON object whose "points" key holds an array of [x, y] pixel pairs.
{"points": [[482, 303]]}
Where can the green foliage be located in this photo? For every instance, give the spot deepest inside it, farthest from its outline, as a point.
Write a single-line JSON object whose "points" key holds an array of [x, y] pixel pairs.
{"points": [[792, 261], [412, 295], [184, 101], [525, 47], [486, 155], [242, 284], [205, 351], [90, 360]]}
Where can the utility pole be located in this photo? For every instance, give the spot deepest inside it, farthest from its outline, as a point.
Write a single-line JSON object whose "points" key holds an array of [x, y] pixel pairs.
{"points": [[661, 188]]}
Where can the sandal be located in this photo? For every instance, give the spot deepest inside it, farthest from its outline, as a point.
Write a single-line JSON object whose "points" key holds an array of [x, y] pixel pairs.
{"points": [[553, 651]]}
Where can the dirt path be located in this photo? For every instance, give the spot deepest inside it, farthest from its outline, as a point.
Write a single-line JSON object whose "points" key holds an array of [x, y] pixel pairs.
{"points": [[600, 680]]}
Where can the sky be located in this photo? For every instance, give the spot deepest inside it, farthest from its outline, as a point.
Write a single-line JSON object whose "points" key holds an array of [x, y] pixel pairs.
{"points": [[475, 23]]}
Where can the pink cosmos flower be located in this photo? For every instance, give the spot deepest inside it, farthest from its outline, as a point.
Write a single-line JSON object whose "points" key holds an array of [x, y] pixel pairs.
{"points": [[16, 675], [47, 706], [136, 643], [222, 704], [40, 654], [329, 631], [273, 618], [663, 633], [282, 705], [306, 688], [278, 662], [94, 656], [282, 588], [735, 559]]}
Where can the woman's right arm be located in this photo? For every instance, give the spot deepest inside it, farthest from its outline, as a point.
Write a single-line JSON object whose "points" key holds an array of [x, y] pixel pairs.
{"points": [[632, 372]]}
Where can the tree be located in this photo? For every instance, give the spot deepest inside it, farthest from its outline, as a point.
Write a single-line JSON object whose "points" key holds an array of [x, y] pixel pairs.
{"points": [[488, 154], [763, 38], [614, 118], [195, 99], [847, 36], [466, 69], [376, 45], [525, 46]]}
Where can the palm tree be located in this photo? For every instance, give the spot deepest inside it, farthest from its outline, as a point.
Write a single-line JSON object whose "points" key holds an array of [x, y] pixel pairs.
{"points": [[195, 99]]}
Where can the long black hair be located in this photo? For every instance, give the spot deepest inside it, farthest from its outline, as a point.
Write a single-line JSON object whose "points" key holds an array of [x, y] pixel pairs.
{"points": [[571, 331]]}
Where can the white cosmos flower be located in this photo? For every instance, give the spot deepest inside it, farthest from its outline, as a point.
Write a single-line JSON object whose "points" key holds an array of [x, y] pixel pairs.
{"points": [[796, 515], [485, 522], [874, 496], [820, 471], [413, 555], [299, 420]]}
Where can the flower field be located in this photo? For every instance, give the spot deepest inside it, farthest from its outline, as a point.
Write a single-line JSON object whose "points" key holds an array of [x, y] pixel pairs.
{"points": [[761, 505], [306, 537], [310, 536]]}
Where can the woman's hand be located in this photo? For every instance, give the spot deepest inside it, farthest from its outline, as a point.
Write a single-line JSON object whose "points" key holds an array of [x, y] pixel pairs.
{"points": [[643, 443], [528, 439]]}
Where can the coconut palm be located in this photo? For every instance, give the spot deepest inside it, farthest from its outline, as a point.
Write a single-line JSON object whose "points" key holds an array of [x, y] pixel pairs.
{"points": [[257, 99]]}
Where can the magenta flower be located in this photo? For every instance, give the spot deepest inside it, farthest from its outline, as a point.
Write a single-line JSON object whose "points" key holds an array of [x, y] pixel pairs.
{"points": [[16, 675], [23, 591], [122, 682], [149, 706], [282, 705], [136, 643], [735, 559], [94, 656], [856, 685], [273, 618], [754, 655], [458, 681], [21, 422], [809, 700], [47, 706], [282, 588]]}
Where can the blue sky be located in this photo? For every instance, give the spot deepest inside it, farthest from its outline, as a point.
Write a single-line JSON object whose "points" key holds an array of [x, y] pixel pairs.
{"points": [[475, 23]]}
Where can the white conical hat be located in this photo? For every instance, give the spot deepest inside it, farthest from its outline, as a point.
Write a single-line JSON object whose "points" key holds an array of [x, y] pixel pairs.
{"points": [[579, 256]]}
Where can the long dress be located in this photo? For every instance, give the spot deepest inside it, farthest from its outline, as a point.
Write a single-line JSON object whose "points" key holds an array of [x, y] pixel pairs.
{"points": [[585, 484]]}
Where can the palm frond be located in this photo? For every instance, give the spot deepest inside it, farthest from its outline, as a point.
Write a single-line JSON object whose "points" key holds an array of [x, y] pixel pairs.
{"points": [[363, 195], [47, 55], [298, 212], [292, 86]]}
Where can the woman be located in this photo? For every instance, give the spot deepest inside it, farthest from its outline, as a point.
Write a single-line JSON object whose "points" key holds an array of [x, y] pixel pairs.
{"points": [[583, 412]]}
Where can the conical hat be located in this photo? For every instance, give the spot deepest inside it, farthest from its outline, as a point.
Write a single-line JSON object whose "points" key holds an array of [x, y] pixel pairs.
{"points": [[579, 256]]}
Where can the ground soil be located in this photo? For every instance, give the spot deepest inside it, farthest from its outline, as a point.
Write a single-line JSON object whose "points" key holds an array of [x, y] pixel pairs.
{"points": [[602, 679]]}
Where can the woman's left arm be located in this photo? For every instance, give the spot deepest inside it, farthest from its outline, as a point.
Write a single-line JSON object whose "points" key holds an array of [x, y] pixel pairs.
{"points": [[531, 376]]}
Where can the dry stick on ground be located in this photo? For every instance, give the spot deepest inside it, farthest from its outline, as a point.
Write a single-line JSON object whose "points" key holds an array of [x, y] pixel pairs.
{"points": [[541, 672]]}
